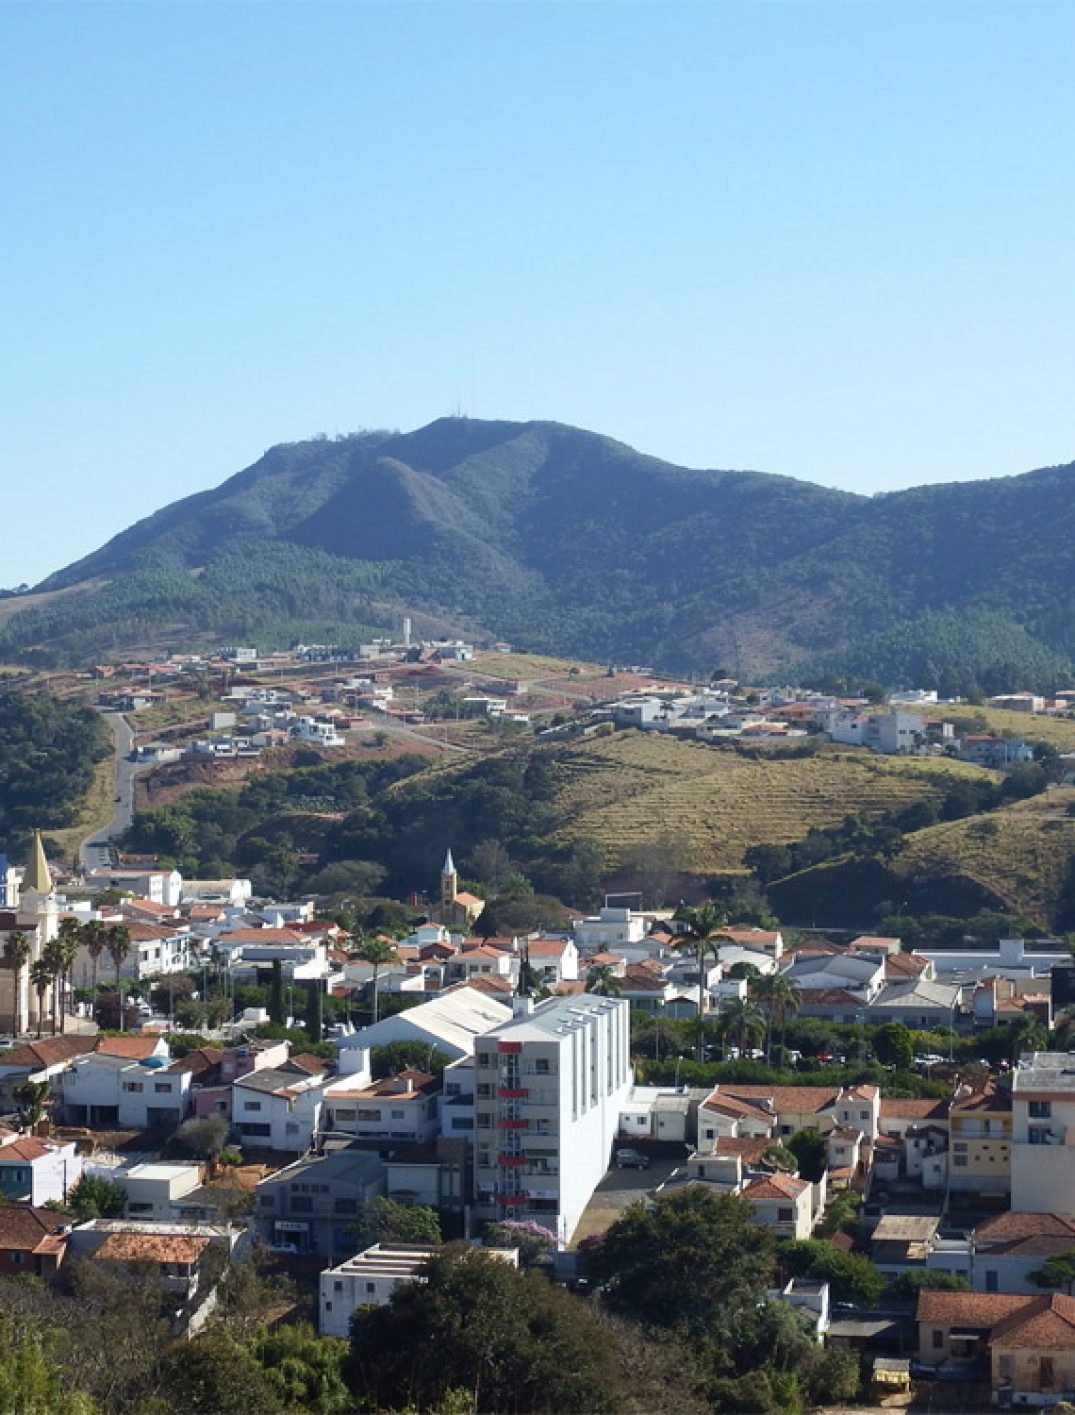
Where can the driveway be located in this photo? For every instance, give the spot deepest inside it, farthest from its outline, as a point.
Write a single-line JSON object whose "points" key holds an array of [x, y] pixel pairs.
{"points": [[619, 1189]]}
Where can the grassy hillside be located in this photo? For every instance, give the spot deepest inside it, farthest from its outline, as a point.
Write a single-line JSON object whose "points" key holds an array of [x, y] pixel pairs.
{"points": [[1023, 854], [1019, 859], [620, 790]]}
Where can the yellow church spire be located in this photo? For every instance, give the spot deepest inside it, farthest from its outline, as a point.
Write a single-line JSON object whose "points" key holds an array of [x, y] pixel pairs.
{"points": [[37, 876]]}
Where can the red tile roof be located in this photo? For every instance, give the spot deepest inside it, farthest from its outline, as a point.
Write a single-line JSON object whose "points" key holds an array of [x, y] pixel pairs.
{"points": [[971, 1309], [24, 1229], [1047, 1323], [775, 1186]]}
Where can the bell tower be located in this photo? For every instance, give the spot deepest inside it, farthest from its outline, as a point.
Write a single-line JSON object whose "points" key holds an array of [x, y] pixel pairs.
{"points": [[449, 888]]}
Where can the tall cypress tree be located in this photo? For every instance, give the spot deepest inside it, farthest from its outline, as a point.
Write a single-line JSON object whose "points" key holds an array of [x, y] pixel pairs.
{"points": [[315, 1025], [276, 994]]}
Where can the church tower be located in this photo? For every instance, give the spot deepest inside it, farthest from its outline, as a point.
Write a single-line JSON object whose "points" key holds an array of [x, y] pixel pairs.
{"points": [[449, 888], [37, 896]]}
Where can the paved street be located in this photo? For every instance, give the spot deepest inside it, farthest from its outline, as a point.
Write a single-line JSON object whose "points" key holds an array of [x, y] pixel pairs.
{"points": [[96, 848]]}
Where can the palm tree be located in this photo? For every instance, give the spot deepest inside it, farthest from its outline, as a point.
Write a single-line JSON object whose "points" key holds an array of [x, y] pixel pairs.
{"points": [[777, 997], [68, 941], [602, 981], [702, 935], [95, 938], [118, 944], [41, 978], [378, 951], [54, 956], [17, 952], [1026, 1033], [742, 1022]]}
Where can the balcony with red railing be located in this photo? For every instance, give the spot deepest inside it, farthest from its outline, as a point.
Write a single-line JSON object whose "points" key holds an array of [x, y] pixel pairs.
{"points": [[511, 1161], [511, 1199], [513, 1093], [508, 1124]]}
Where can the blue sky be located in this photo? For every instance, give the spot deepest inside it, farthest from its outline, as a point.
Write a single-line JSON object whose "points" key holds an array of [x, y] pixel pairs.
{"points": [[832, 240]]}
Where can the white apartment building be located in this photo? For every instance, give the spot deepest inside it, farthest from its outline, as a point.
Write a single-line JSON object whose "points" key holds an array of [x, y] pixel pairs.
{"points": [[549, 1088], [1043, 1133]]}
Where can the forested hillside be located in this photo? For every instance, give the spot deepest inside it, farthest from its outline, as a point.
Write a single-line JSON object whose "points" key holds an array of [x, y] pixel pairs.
{"points": [[48, 750], [565, 541]]}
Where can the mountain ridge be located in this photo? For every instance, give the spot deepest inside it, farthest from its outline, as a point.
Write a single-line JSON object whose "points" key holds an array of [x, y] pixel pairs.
{"points": [[568, 541]]}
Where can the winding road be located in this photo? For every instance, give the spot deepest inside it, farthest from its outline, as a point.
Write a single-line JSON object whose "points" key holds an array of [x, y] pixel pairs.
{"points": [[96, 849]]}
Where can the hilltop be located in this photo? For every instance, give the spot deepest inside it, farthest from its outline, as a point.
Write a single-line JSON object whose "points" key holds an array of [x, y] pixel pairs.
{"points": [[567, 542]]}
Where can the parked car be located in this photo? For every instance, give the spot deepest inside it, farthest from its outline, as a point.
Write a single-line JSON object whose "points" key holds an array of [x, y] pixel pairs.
{"points": [[631, 1159]]}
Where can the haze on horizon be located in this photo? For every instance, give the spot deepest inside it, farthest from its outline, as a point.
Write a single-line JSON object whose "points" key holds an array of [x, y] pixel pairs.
{"points": [[824, 241]]}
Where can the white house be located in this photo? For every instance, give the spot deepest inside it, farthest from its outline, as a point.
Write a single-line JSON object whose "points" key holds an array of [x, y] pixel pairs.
{"points": [[115, 1091], [35, 1171], [154, 1190], [158, 886], [610, 926], [371, 1277], [279, 1108]]}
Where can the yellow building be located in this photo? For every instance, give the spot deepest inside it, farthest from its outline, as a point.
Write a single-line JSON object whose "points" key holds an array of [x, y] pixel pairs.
{"points": [[980, 1137]]}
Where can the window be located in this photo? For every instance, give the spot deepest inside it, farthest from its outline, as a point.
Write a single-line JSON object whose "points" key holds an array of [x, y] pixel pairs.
{"points": [[938, 1339], [1045, 1372], [486, 1058], [251, 1105], [1006, 1368], [337, 1286], [132, 1085], [399, 1115], [345, 1206], [369, 1114], [864, 1115], [1040, 1110], [785, 1215], [1038, 1135], [960, 1161], [301, 1204], [991, 1280], [164, 1087], [371, 1287], [541, 1065]]}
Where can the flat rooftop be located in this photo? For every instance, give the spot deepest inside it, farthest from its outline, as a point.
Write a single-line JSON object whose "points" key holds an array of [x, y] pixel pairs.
{"points": [[403, 1260]]}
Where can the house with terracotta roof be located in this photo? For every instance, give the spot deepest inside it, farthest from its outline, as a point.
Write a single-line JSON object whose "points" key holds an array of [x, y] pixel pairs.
{"points": [[176, 1253], [36, 1171], [42, 1060], [157, 947], [783, 1203], [1023, 1345], [555, 960], [481, 961], [33, 1241], [786, 1109], [401, 1110]]}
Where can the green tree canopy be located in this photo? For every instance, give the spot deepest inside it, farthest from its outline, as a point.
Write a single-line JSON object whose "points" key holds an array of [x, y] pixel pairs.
{"points": [[642, 1259], [511, 1340]]}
